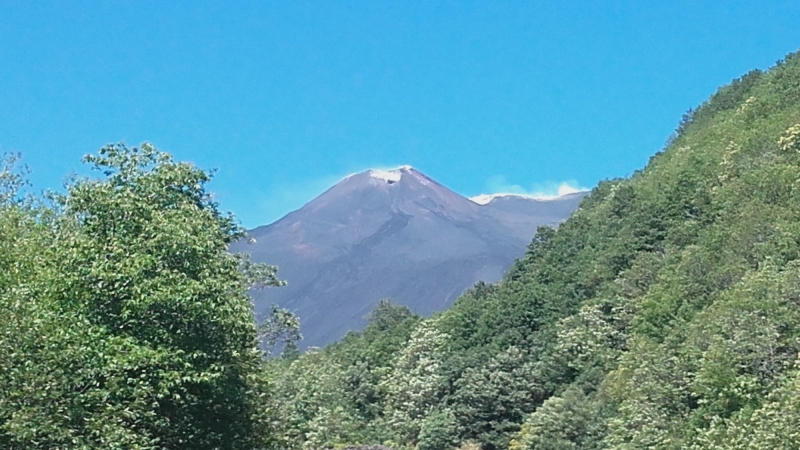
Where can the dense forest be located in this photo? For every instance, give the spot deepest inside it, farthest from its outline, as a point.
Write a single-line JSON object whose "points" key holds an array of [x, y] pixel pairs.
{"points": [[665, 313]]}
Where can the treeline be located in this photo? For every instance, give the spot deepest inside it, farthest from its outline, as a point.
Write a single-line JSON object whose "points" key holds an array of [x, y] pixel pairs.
{"points": [[665, 313]]}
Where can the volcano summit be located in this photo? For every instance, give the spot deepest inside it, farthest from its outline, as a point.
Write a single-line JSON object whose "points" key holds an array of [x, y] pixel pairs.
{"points": [[391, 234]]}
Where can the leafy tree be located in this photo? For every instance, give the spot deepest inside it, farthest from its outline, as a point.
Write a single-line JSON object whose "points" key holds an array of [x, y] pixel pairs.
{"points": [[490, 401], [282, 328], [415, 383], [565, 422], [438, 431], [136, 330]]}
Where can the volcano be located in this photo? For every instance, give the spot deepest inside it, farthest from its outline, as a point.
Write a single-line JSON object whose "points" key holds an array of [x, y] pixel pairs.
{"points": [[394, 234]]}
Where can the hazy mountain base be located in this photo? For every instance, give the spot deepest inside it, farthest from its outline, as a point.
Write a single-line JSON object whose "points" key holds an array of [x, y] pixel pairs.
{"points": [[665, 313]]}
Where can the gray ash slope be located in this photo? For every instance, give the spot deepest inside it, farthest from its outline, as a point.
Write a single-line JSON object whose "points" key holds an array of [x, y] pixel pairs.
{"points": [[396, 234]]}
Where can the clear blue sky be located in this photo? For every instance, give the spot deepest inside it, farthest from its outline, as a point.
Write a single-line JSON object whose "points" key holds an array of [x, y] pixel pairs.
{"points": [[284, 98]]}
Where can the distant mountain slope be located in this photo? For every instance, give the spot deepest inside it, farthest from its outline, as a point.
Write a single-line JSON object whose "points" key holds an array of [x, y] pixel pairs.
{"points": [[391, 234]]}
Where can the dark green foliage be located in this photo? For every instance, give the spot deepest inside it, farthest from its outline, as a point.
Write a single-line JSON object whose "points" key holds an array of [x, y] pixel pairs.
{"points": [[438, 431], [571, 420], [337, 395]]}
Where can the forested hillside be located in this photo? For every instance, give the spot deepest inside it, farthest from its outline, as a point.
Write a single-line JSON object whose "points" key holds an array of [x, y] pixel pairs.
{"points": [[665, 313]]}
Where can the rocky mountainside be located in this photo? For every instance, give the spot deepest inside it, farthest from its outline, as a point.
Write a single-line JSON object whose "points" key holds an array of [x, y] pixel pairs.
{"points": [[391, 234]]}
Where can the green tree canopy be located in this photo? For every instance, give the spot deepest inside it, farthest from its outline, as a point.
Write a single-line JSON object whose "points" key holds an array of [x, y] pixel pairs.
{"points": [[126, 322]]}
